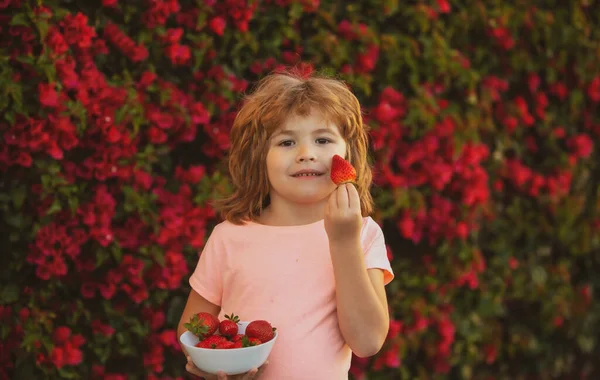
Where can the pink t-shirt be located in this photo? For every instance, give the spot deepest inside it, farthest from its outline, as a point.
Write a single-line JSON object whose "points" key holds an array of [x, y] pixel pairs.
{"points": [[284, 274]]}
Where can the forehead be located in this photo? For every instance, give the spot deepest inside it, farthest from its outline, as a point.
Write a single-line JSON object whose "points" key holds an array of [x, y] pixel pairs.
{"points": [[311, 123]]}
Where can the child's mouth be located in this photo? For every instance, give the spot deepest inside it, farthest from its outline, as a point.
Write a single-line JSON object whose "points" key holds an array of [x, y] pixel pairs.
{"points": [[307, 175]]}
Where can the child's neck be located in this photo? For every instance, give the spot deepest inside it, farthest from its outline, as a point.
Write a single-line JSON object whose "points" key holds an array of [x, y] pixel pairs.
{"points": [[286, 215]]}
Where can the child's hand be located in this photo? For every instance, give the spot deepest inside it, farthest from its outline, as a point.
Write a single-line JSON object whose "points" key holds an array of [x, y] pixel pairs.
{"points": [[250, 375], [343, 218]]}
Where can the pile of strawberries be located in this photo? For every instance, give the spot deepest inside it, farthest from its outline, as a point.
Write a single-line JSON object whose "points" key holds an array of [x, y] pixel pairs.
{"points": [[223, 334]]}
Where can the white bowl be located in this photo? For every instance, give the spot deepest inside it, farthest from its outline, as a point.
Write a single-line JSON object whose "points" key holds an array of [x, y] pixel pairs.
{"points": [[233, 361]]}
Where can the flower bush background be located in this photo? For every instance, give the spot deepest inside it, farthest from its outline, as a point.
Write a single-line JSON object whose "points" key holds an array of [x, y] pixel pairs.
{"points": [[485, 128]]}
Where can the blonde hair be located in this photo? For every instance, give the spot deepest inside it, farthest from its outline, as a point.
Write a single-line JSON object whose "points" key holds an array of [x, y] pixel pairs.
{"points": [[276, 97]]}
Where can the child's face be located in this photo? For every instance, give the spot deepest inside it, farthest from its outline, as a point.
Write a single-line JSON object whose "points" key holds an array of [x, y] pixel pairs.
{"points": [[303, 144]]}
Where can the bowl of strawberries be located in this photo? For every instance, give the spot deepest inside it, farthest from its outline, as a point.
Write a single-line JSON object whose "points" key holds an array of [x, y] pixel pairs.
{"points": [[230, 345]]}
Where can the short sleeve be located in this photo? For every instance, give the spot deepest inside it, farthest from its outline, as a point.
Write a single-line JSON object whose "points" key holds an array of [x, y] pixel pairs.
{"points": [[375, 250], [207, 279]]}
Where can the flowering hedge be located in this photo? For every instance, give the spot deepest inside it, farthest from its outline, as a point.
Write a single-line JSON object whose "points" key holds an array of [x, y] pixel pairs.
{"points": [[485, 131]]}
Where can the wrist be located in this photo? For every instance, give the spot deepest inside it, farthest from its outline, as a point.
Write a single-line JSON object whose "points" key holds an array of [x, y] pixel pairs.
{"points": [[344, 243]]}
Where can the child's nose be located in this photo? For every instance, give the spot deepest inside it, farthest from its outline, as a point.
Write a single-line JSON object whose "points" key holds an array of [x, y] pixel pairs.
{"points": [[305, 153]]}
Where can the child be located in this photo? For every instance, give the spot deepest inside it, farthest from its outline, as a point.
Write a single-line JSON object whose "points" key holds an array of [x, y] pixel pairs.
{"points": [[295, 249]]}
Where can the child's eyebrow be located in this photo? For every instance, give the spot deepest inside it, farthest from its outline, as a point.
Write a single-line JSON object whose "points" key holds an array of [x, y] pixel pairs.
{"points": [[315, 132]]}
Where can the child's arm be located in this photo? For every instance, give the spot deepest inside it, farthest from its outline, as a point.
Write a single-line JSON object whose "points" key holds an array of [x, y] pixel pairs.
{"points": [[360, 294], [361, 300]]}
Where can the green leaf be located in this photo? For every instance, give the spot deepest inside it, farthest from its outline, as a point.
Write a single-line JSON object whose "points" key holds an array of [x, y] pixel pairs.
{"points": [[43, 29], [9, 294], [54, 208], [18, 195], [20, 19], [116, 252]]}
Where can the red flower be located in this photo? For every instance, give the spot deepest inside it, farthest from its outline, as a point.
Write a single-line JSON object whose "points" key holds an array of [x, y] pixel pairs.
{"points": [[462, 230], [346, 30], [48, 95], [123, 42], [103, 329], [470, 279], [72, 355], [154, 356], [56, 41], [581, 145], [157, 136], [61, 334], [173, 35], [178, 54], [533, 82], [217, 25], [491, 352], [406, 226], [503, 37], [76, 30], [559, 90], [384, 112], [168, 338], [444, 6], [365, 62], [395, 328], [146, 79], [558, 321], [593, 90]]}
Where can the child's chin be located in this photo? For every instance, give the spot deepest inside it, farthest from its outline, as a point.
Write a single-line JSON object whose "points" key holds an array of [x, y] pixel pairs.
{"points": [[310, 198]]}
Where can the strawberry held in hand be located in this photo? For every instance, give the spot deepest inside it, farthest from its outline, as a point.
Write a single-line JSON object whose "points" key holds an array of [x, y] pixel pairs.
{"points": [[342, 171]]}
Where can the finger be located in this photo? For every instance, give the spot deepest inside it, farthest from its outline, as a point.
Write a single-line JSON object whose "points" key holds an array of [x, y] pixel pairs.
{"points": [[342, 197], [191, 368], [221, 375], [250, 374], [333, 201], [354, 198], [261, 370]]}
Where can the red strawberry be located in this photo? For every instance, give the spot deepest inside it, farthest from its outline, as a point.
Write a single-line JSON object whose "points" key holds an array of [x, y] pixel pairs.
{"points": [[261, 330], [246, 342], [342, 171], [224, 345], [202, 325], [254, 341], [211, 341], [237, 337], [229, 327]]}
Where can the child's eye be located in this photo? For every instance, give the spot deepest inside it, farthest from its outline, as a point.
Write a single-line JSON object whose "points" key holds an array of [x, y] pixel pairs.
{"points": [[323, 141], [286, 143]]}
